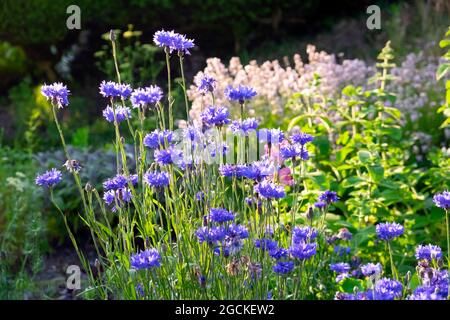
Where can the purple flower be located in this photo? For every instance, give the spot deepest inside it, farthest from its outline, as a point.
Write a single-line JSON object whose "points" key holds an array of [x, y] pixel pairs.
{"points": [[288, 151], [205, 84], [265, 244], [157, 139], [118, 182], [426, 293], [386, 289], [147, 259], [49, 178], [340, 267], [168, 156], [428, 252], [210, 235], [220, 215], [215, 116], [283, 267], [349, 296], [269, 190], [442, 200], [157, 179], [301, 138], [388, 231], [340, 251], [236, 231], [272, 136], [329, 197], [371, 269], [241, 93], [57, 93], [303, 234], [320, 204], [303, 250], [244, 127], [122, 113], [113, 90], [119, 197], [279, 253], [142, 97], [173, 41], [227, 170]]}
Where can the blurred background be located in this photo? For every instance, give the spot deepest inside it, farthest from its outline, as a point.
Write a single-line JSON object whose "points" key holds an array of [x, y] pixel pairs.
{"points": [[36, 47]]}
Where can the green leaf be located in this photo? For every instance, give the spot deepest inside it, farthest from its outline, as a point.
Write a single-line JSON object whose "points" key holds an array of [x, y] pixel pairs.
{"points": [[376, 173], [364, 156], [442, 70], [348, 285]]}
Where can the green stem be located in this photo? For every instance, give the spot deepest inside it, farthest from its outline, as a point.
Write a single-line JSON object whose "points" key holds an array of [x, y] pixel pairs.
{"points": [[184, 88]]}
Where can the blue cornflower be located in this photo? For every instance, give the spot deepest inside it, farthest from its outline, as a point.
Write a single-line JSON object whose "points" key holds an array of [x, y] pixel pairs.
{"points": [[301, 138], [205, 84], [428, 252], [265, 244], [157, 179], [241, 93], [118, 182], [157, 139], [168, 156], [259, 170], [426, 293], [340, 251], [279, 253], [386, 289], [244, 127], [442, 200], [49, 178], [329, 197], [220, 215], [227, 170], [303, 250], [320, 204], [302, 234], [57, 93], [122, 113], [371, 269], [215, 116], [119, 196], [350, 296], [269, 190], [173, 41], [112, 89], [272, 136], [236, 231], [388, 231], [210, 235], [283, 267], [200, 196], [146, 259], [288, 151], [142, 97], [340, 267]]}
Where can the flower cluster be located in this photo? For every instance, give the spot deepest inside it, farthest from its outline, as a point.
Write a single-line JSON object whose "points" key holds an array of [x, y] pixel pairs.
{"points": [[215, 116], [387, 231], [146, 259], [173, 41], [148, 96], [57, 93], [121, 113], [156, 179], [110, 89], [158, 139]]}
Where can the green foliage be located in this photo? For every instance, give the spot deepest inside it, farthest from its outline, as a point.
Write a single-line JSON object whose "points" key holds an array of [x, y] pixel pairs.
{"points": [[443, 70]]}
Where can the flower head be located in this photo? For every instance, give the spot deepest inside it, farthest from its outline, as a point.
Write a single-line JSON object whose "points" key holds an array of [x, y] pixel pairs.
{"points": [[205, 84], [244, 127], [387, 289], [301, 138], [57, 93], [442, 200], [157, 179], [215, 116], [112, 89], [272, 136], [49, 178], [157, 139], [428, 252], [220, 215], [117, 197], [122, 113], [329, 197], [210, 235], [371, 269], [142, 97], [118, 182], [283, 267], [302, 234], [168, 156], [269, 190], [241, 93], [265, 244], [147, 259], [173, 41], [388, 231], [303, 250]]}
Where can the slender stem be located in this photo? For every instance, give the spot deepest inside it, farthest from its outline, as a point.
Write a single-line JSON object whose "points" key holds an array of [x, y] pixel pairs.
{"points": [[184, 88], [169, 89], [393, 269]]}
